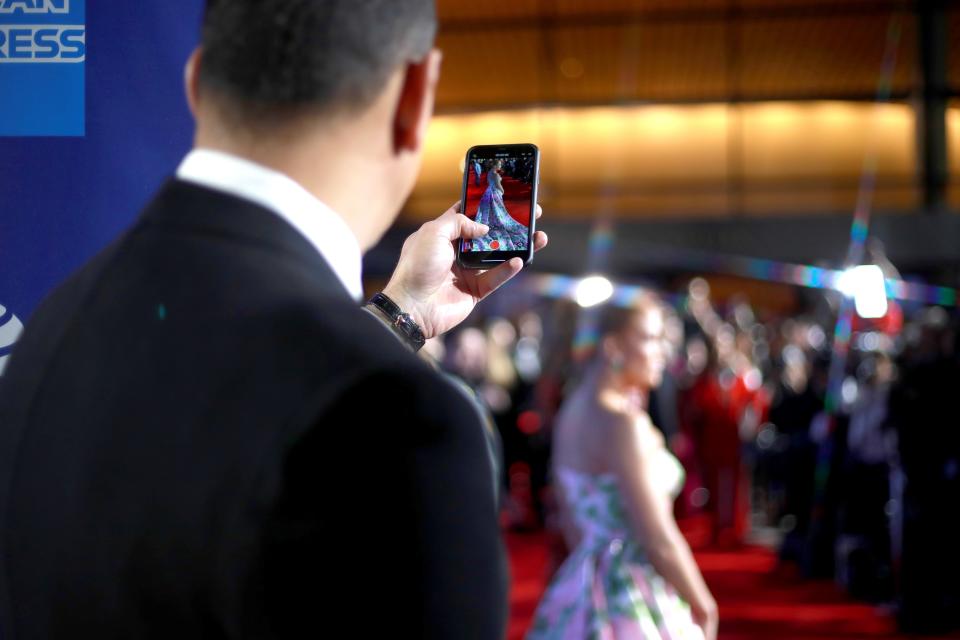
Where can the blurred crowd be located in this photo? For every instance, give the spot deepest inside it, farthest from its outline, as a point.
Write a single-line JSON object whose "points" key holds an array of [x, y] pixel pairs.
{"points": [[845, 454]]}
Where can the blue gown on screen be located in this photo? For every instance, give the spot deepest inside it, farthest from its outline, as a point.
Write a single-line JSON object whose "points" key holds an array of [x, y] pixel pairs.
{"points": [[506, 234]]}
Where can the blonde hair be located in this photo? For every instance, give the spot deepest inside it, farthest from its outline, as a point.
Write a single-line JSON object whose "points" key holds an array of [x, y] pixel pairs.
{"points": [[614, 318]]}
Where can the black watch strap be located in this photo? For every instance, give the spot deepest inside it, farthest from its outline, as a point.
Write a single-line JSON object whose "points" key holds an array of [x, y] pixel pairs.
{"points": [[401, 322]]}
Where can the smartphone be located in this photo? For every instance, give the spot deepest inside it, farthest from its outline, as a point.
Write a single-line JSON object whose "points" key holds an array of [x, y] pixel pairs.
{"points": [[500, 190]]}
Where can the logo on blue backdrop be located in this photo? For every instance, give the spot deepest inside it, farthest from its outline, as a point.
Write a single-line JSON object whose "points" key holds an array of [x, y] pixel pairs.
{"points": [[10, 330], [34, 6], [43, 46]]}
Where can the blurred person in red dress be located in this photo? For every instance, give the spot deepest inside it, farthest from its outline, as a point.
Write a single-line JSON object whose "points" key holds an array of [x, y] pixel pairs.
{"points": [[721, 411]]}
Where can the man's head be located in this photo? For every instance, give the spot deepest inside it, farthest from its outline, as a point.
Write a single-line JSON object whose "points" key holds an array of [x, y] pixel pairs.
{"points": [[302, 84]]}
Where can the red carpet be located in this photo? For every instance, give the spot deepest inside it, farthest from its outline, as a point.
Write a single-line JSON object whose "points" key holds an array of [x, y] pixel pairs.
{"points": [[516, 197], [528, 568], [754, 602]]}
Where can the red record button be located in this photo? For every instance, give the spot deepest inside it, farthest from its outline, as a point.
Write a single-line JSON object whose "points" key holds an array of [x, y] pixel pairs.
{"points": [[495, 245]]}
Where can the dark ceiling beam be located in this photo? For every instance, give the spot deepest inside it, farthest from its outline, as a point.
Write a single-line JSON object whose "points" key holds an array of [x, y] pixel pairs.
{"points": [[673, 16], [653, 247], [931, 103]]}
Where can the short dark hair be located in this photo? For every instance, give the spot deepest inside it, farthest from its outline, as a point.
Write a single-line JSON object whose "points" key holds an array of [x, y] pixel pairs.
{"points": [[276, 58]]}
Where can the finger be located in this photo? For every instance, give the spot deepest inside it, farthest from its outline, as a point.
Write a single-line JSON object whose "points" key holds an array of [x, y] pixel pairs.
{"points": [[452, 226], [490, 281], [455, 207], [540, 240], [539, 211]]}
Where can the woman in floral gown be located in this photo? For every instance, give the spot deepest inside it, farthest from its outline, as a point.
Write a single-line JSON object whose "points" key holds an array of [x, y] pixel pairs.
{"points": [[506, 234], [631, 574]]}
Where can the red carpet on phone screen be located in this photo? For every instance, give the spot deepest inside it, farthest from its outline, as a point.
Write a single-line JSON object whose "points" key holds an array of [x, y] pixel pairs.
{"points": [[516, 197], [757, 602]]}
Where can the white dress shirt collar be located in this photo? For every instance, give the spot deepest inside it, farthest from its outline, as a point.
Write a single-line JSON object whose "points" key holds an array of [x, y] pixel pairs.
{"points": [[317, 222]]}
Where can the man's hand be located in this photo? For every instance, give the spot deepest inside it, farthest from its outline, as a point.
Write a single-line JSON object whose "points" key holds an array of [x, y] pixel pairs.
{"points": [[430, 286]]}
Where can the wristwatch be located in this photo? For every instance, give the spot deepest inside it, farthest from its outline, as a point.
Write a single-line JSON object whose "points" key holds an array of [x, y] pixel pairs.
{"points": [[402, 324]]}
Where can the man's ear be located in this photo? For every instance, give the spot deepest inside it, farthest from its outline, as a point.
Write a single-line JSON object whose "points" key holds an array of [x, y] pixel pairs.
{"points": [[191, 80], [415, 106]]}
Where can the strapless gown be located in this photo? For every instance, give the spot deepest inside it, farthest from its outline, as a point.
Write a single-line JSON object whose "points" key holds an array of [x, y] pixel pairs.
{"points": [[607, 588]]}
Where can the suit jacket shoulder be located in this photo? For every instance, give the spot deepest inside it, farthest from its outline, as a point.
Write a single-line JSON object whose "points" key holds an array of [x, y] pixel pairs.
{"points": [[202, 434]]}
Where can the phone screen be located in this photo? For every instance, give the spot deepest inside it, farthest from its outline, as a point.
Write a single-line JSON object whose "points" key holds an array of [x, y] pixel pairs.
{"points": [[499, 192]]}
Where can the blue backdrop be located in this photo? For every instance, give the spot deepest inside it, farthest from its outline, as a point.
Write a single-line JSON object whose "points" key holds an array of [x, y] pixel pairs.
{"points": [[63, 199]]}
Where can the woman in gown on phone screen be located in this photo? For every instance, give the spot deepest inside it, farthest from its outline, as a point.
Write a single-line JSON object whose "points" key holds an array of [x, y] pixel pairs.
{"points": [[630, 574], [506, 234]]}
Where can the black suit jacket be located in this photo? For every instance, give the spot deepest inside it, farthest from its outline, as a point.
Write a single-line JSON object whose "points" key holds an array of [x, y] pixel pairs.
{"points": [[203, 435]]}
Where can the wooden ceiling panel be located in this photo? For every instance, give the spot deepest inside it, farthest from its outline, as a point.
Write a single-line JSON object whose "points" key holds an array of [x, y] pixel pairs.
{"points": [[523, 52], [484, 69], [458, 10], [820, 5], [825, 56], [455, 11], [624, 7], [639, 62]]}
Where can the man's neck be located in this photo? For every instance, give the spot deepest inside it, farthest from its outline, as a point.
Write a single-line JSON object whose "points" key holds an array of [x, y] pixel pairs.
{"points": [[325, 168]]}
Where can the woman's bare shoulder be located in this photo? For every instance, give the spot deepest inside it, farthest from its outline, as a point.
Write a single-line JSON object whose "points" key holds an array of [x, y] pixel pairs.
{"points": [[628, 426], [614, 412]]}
